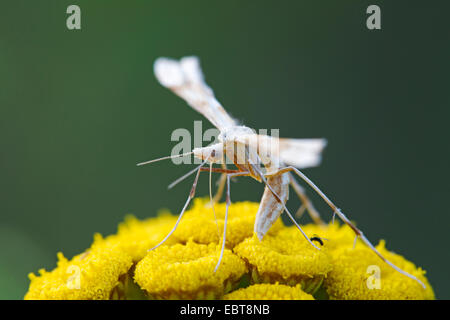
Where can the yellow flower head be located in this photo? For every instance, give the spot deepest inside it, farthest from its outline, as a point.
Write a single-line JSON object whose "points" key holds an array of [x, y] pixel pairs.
{"points": [[269, 292], [281, 266], [187, 272], [135, 237], [90, 275], [287, 258], [360, 274], [334, 235], [199, 225]]}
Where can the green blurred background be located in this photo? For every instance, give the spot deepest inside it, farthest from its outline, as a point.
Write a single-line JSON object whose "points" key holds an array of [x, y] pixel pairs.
{"points": [[78, 110]]}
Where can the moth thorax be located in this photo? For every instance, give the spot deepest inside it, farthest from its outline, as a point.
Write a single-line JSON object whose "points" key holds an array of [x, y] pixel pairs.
{"points": [[235, 132]]}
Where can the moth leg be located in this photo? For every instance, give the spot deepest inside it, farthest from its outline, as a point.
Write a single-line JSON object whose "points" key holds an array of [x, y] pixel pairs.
{"points": [[190, 197], [341, 215], [277, 197], [219, 170], [221, 188], [228, 202], [223, 179], [306, 203]]}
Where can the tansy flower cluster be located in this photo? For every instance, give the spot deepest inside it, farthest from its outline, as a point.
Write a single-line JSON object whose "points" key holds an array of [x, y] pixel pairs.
{"points": [[283, 266]]}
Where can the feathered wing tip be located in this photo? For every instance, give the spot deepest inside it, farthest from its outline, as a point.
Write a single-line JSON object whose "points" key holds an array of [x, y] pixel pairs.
{"points": [[168, 72], [302, 153], [172, 73], [185, 78]]}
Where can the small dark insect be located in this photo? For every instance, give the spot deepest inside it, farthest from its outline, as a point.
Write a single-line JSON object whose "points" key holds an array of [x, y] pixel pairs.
{"points": [[317, 239]]}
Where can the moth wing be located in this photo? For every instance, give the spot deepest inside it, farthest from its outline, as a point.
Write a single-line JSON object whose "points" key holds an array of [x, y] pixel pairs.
{"points": [[185, 79], [301, 153]]}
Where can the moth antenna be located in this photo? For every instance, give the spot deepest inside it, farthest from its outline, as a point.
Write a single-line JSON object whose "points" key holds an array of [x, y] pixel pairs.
{"points": [[173, 184], [164, 158], [190, 197]]}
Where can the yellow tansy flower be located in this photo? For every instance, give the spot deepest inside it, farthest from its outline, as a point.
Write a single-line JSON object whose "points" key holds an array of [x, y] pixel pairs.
{"points": [[90, 275], [199, 225], [334, 235], [348, 279], [281, 266], [269, 292], [135, 236], [187, 272], [286, 258], [360, 274]]}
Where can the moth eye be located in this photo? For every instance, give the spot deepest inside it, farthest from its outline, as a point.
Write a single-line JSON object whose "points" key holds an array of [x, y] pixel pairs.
{"points": [[213, 153]]}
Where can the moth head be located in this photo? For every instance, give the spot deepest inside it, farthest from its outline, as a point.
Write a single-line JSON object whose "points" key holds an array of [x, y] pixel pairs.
{"points": [[213, 153]]}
